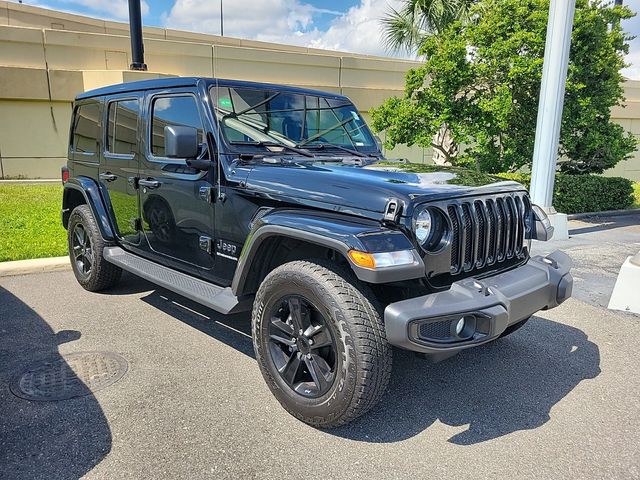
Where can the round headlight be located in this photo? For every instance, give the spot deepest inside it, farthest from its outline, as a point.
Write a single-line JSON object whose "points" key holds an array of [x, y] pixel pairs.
{"points": [[424, 221]]}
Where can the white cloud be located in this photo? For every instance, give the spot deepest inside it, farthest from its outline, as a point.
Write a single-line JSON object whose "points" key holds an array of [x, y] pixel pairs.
{"points": [[286, 21], [358, 30]]}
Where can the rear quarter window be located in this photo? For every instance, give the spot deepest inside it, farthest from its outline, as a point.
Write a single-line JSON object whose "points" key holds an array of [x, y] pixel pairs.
{"points": [[122, 130], [85, 128]]}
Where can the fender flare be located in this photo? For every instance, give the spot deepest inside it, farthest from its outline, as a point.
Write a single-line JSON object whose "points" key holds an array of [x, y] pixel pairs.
{"points": [[338, 232], [91, 193]]}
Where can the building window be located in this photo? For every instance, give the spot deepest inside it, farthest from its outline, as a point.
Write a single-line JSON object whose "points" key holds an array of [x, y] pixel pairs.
{"points": [[174, 110], [122, 133], [85, 132]]}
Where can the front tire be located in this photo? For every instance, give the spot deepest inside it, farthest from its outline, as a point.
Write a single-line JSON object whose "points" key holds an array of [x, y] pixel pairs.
{"points": [[86, 244], [320, 343]]}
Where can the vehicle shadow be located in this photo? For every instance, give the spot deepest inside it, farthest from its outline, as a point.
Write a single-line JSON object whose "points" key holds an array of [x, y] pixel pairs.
{"points": [[43, 439], [496, 389], [493, 390]]}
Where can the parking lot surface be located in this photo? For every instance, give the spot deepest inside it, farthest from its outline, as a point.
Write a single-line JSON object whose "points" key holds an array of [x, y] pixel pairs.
{"points": [[559, 398]]}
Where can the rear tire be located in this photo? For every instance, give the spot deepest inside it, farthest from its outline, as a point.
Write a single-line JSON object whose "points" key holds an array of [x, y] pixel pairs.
{"points": [[86, 244], [335, 342]]}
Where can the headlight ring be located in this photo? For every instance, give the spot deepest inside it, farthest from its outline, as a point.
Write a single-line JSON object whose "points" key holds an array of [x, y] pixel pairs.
{"points": [[430, 228]]}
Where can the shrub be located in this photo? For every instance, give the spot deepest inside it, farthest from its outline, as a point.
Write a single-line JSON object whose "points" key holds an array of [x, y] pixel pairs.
{"points": [[585, 193]]}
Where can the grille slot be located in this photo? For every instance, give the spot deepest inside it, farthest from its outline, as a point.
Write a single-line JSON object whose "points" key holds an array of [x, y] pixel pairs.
{"points": [[487, 231], [455, 239]]}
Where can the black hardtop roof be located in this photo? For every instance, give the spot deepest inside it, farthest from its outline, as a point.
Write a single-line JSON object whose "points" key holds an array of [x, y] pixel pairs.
{"points": [[174, 82]]}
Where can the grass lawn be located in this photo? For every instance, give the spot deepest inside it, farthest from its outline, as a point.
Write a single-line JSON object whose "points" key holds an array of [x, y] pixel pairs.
{"points": [[30, 225]]}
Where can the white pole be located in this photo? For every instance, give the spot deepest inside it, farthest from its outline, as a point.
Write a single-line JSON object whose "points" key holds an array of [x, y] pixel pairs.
{"points": [[554, 78]]}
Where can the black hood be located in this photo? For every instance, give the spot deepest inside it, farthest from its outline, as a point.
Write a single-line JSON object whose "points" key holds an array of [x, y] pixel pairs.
{"points": [[348, 187]]}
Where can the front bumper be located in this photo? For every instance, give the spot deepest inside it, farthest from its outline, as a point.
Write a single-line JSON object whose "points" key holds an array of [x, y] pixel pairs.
{"points": [[488, 306]]}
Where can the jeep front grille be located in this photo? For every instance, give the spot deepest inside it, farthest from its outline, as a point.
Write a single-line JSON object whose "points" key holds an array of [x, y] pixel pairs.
{"points": [[487, 231]]}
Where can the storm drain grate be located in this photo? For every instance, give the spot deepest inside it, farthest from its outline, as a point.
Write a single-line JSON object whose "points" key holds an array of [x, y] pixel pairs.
{"points": [[73, 375]]}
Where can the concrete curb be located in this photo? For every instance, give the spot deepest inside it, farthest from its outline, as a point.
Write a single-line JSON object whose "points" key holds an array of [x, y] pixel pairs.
{"points": [[29, 180], [37, 265], [606, 213]]}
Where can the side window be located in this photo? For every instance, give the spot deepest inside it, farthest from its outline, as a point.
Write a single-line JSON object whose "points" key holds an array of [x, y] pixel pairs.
{"points": [[122, 130], [85, 131], [175, 110]]}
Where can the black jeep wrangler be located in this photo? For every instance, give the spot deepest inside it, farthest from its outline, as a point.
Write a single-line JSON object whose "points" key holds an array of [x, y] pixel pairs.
{"points": [[245, 196]]}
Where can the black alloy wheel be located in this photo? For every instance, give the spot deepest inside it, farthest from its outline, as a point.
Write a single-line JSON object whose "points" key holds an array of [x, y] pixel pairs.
{"points": [[86, 252], [82, 250], [320, 342], [301, 347]]}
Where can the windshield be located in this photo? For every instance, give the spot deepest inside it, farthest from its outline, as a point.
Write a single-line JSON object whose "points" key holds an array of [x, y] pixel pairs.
{"points": [[261, 117]]}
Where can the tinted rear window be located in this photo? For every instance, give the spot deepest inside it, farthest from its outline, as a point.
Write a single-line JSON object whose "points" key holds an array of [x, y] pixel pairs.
{"points": [[122, 134], [85, 132]]}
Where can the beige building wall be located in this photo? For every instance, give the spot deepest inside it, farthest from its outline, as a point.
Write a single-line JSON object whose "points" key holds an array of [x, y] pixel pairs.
{"points": [[48, 57], [629, 118]]}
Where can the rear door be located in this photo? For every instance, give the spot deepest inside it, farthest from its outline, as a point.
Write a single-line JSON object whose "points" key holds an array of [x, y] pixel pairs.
{"points": [[120, 164], [176, 210]]}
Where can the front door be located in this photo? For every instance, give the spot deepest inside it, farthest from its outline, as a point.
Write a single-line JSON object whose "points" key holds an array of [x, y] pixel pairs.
{"points": [[119, 165], [177, 215]]}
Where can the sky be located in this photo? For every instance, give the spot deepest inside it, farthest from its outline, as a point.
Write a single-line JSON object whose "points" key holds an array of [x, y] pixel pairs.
{"points": [[347, 25]]}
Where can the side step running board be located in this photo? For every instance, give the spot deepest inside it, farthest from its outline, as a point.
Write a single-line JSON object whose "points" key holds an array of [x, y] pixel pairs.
{"points": [[218, 298]]}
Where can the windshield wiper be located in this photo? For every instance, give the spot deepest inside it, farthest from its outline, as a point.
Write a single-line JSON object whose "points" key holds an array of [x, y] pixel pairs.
{"points": [[325, 146], [299, 151], [324, 132]]}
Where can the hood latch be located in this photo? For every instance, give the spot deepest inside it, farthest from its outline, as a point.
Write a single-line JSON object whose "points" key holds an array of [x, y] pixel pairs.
{"points": [[393, 210]]}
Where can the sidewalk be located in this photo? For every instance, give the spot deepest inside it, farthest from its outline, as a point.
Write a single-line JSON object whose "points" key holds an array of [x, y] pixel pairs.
{"points": [[37, 265]]}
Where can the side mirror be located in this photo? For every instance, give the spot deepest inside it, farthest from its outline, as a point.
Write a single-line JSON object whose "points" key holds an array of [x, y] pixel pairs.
{"points": [[180, 142], [542, 228]]}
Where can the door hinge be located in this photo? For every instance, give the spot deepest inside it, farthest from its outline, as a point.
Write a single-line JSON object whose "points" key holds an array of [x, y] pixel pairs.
{"points": [[205, 243], [393, 210], [205, 194]]}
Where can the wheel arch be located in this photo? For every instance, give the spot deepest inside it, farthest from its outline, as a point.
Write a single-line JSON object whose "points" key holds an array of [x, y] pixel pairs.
{"points": [[81, 191], [283, 236]]}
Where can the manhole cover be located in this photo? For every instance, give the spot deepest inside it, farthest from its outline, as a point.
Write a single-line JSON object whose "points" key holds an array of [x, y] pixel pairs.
{"points": [[74, 375]]}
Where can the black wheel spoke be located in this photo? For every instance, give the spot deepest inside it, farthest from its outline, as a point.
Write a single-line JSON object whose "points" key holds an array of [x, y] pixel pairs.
{"points": [[290, 370], [89, 257], [312, 330], [314, 364], [81, 249], [282, 326], [78, 232], [295, 313], [321, 339], [285, 341]]}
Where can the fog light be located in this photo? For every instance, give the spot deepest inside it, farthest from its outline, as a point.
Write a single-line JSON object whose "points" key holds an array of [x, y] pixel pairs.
{"points": [[459, 326]]}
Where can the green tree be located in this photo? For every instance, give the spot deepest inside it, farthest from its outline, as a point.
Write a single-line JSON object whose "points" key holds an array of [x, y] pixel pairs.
{"points": [[481, 81]]}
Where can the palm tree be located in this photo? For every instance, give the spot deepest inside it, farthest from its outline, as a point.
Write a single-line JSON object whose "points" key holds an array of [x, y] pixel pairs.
{"points": [[406, 28]]}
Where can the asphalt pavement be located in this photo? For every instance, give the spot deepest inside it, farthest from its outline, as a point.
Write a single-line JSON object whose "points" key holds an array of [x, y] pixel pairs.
{"points": [[559, 398]]}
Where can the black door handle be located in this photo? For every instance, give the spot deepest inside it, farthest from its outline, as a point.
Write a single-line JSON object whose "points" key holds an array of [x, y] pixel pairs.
{"points": [[108, 177], [150, 184]]}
